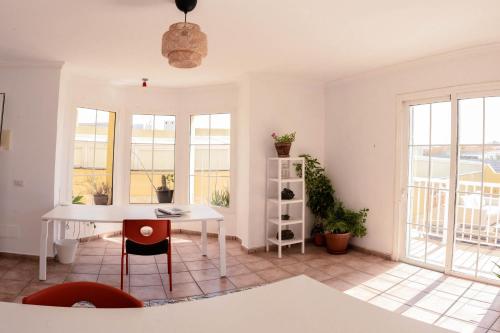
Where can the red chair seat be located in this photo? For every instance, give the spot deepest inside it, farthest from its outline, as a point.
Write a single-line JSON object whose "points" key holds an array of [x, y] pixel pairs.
{"points": [[68, 294]]}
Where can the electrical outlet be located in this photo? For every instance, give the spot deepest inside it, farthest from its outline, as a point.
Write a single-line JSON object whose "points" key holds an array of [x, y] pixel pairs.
{"points": [[18, 183]]}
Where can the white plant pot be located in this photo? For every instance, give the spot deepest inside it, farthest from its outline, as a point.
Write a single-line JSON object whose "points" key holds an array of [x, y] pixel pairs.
{"points": [[66, 250]]}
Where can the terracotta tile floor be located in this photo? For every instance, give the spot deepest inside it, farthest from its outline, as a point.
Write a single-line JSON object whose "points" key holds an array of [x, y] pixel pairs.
{"points": [[425, 295]]}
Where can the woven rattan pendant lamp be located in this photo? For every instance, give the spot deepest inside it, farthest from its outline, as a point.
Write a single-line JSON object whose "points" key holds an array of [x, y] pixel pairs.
{"points": [[184, 44]]}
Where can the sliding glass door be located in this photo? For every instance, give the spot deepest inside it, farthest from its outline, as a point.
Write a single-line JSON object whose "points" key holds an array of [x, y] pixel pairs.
{"points": [[453, 185], [477, 210], [428, 182]]}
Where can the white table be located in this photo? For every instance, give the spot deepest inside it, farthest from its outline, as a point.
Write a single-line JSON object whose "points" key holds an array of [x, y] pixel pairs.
{"points": [[118, 213], [296, 305]]}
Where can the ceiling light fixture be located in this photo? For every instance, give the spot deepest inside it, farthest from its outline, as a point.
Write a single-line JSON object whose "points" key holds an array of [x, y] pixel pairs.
{"points": [[184, 44]]}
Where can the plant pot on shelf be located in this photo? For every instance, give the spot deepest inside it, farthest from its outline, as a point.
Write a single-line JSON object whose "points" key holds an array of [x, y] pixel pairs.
{"points": [[319, 239], [337, 243], [283, 149], [101, 199], [165, 196]]}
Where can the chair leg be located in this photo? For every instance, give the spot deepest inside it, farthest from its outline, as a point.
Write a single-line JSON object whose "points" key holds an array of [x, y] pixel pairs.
{"points": [[169, 265], [126, 263], [121, 273]]}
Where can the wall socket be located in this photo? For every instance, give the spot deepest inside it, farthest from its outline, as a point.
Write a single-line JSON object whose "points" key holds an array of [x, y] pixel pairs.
{"points": [[18, 183]]}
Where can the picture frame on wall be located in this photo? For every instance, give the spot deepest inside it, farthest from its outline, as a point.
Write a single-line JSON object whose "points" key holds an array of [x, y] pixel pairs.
{"points": [[2, 107]]}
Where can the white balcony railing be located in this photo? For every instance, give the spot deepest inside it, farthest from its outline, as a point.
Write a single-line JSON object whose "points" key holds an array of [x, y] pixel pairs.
{"points": [[477, 216]]}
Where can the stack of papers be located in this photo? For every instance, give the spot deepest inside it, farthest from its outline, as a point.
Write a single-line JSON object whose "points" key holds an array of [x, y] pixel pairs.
{"points": [[169, 212]]}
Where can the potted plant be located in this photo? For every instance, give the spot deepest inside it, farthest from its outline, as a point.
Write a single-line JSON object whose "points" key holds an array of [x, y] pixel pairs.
{"points": [[220, 198], [320, 194], [342, 224], [101, 194], [165, 192], [283, 143]]}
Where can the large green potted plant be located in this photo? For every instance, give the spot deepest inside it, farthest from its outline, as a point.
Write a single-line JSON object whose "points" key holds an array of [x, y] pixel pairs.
{"points": [[283, 143], [165, 192], [342, 224], [320, 195]]}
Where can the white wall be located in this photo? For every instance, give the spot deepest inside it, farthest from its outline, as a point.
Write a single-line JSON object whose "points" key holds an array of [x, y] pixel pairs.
{"points": [[280, 104], [360, 129], [259, 104], [80, 91], [31, 114]]}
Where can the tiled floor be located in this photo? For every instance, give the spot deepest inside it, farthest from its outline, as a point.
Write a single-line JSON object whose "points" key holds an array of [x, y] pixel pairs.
{"points": [[457, 304]]}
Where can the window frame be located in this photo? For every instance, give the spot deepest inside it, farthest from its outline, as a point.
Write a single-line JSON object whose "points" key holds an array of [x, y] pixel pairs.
{"points": [[230, 188], [403, 101], [129, 172], [71, 156]]}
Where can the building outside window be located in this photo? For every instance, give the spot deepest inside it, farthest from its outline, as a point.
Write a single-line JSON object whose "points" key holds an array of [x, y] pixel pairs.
{"points": [[93, 157], [210, 159], [152, 156]]}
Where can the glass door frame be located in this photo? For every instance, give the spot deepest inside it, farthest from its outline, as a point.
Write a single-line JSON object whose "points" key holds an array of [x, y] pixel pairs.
{"points": [[404, 101]]}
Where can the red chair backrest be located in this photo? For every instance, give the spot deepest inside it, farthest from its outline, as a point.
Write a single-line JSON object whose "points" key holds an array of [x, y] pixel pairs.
{"points": [[132, 231], [67, 294]]}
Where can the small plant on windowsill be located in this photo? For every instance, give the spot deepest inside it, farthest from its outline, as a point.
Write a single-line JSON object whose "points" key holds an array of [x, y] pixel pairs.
{"points": [[220, 198], [101, 192], [78, 200], [283, 143], [165, 192]]}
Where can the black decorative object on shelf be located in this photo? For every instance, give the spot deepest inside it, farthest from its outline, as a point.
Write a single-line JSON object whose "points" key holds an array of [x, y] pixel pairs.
{"points": [[285, 235], [285, 217], [287, 194]]}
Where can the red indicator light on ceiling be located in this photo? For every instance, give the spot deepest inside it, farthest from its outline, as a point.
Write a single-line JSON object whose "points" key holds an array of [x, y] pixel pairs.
{"points": [[144, 83]]}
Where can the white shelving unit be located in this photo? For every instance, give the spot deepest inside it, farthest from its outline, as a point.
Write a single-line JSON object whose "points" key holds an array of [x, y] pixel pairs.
{"points": [[281, 174]]}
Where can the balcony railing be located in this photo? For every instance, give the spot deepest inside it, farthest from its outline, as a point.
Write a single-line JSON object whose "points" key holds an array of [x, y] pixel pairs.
{"points": [[477, 217]]}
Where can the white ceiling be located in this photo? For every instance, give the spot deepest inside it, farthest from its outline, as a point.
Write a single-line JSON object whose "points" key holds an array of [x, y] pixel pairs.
{"points": [[120, 40]]}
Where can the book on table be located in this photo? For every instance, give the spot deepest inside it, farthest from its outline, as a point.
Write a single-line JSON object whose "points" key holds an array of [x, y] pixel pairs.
{"points": [[169, 212]]}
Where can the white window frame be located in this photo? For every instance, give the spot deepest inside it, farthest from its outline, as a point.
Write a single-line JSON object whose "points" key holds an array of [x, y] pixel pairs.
{"points": [[67, 196], [403, 101], [153, 146], [231, 160]]}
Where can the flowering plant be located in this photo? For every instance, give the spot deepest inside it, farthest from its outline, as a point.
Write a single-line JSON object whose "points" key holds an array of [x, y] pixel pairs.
{"points": [[285, 138]]}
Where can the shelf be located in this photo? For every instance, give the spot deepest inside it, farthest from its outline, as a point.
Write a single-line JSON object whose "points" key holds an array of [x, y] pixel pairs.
{"points": [[287, 180], [286, 158], [286, 222], [284, 242], [283, 202]]}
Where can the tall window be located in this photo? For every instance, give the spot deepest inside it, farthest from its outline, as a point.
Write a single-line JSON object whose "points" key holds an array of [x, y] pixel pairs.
{"points": [[93, 157], [152, 156], [210, 159]]}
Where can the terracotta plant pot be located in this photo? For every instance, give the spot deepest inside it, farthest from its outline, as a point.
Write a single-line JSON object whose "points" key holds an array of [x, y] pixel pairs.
{"points": [[283, 149], [165, 196], [319, 239], [337, 243], [101, 200]]}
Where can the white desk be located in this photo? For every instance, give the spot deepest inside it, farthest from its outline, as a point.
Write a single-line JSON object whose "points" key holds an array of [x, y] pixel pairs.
{"points": [[296, 305], [116, 214]]}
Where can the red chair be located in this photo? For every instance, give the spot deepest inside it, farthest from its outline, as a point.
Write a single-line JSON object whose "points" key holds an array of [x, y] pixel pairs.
{"points": [[146, 238], [67, 294]]}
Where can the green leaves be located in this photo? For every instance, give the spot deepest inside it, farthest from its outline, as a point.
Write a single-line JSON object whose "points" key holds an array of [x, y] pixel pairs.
{"points": [[319, 189], [78, 200], [341, 220], [220, 198], [285, 138]]}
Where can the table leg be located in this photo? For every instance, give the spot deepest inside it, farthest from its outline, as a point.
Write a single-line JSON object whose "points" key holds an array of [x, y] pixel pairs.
{"points": [[204, 238], [222, 248], [44, 233]]}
